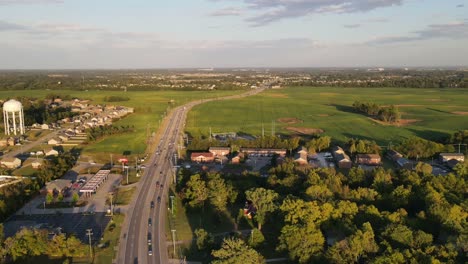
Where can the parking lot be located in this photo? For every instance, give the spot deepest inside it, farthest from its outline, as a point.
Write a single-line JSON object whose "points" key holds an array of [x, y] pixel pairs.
{"points": [[69, 223]]}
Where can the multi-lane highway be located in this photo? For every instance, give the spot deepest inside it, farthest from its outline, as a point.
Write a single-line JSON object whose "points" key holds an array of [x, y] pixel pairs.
{"points": [[143, 238]]}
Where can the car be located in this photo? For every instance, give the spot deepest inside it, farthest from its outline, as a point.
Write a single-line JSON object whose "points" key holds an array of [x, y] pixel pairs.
{"points": [[159, 199], [152, 204], [160, 172], [149, 238], [161, 185], [149, 222], [157, 184], [150, 250]]}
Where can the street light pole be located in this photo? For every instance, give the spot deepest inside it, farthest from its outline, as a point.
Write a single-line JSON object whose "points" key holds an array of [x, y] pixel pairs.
{"points": [[172, 204], [173, 240], [88, 233]]}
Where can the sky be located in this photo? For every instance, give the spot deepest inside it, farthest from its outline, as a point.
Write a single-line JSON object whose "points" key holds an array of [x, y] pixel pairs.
{"points": [[132, 34]]}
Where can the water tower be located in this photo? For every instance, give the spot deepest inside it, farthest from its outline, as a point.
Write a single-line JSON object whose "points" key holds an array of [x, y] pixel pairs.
{"points": [[13, 117]]}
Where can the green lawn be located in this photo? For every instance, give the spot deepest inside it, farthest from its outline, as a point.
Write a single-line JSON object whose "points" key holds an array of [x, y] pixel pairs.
{"points": [[111, 238], [330, 109], [123, 196], [149, 109]]}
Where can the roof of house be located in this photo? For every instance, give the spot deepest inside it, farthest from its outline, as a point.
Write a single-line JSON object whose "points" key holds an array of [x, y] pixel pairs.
{"points": [[368, 156], [452, 154], [201, 154], [340, 157], [402, 161], [58, 184], [10, 159]]}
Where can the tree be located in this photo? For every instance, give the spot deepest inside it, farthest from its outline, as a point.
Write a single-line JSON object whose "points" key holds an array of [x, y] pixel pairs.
{"points": [[75, 197], [204, 239], [220, 193], [235, 251], [264, 201], [301, 241], [49, 198], [60, 197], [351, 249], [424, 168], [196, 191], [256, 238]]}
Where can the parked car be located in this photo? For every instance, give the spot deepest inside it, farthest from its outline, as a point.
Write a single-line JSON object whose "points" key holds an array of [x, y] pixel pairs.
{"points": [[149, 222]]}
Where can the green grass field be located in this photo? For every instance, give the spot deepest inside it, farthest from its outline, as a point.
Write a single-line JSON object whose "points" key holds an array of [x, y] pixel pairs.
{"points": [[149, 109], [330, 109]]}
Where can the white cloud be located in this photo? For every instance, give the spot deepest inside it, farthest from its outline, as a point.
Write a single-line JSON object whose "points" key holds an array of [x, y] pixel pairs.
{"points": [[456, 30], [228, 11], [273, 10]]}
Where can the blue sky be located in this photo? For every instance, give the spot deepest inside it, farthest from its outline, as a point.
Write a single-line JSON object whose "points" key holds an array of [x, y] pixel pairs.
{"points": [[56, 34]]}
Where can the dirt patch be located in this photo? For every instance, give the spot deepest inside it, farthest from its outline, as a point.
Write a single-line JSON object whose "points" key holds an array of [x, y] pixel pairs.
{"points": [[305, 130], [437, 100], [289, 120], [460, 113], [401, 123], [277, 95], [408, 105]]}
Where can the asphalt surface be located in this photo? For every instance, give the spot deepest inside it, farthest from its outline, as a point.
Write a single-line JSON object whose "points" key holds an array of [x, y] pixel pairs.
{"points": [[134, 245]]}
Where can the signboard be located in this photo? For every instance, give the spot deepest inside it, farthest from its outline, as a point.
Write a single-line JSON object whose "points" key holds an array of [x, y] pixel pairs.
{"points": [[123, 160]]}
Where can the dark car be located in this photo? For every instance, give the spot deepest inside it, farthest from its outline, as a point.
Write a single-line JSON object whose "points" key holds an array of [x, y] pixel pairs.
{"points": [[152, 204], [150, 250], [162, 186], [149, 221], [157, 184], [159, 199], [149, 238]]}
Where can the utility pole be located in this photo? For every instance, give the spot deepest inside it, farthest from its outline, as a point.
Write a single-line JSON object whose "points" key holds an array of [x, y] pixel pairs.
{"points": [[112, 211], [263, 131], [89, 234], [127, 174], [112, 164], [210, 134], [172, 204], [173, 240]]}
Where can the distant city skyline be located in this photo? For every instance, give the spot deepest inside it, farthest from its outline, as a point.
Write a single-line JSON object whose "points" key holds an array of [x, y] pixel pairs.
{"points": [[85, 34]]}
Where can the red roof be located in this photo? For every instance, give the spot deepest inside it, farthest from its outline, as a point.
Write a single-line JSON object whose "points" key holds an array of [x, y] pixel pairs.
{"points": [[204, 154]]}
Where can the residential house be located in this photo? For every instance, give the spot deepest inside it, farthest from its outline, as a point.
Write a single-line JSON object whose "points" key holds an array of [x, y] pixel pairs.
{"points": [[10, 162], [237, 159], [368, 159], [64, 138], [393, 155], [220, 151], [300, 156], [54, 141], [37, 164], [50, 152], [342, 159], [445, 157], [202, 157], [45, 126], [57, 186]]}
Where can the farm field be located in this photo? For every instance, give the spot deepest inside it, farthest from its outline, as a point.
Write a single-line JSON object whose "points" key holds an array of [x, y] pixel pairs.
{"points": [[149, 108], [428, 113]]}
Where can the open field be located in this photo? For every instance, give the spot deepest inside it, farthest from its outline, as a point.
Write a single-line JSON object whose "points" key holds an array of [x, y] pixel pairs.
{"points": [[149, 109], [437, 112]]}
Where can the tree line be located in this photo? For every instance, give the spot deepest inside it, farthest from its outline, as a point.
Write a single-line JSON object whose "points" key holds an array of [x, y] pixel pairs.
{"points": [[28, 243], [389, 114], [95, 133]]}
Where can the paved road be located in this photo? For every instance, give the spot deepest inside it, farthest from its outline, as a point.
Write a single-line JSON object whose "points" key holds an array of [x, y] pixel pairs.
{"points": [[26, 147], [134, 246]]}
